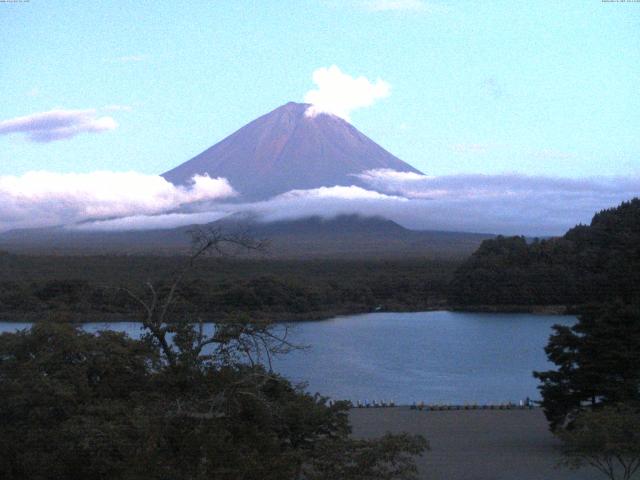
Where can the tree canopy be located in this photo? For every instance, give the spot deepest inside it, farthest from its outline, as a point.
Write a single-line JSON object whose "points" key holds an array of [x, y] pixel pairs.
{"points": [[598, 363], [595, 263], [180, 403], [79, 405], [607, 439]]}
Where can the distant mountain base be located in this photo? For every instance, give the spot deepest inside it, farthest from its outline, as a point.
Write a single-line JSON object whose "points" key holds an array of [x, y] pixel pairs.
{"points": [[347, 236]]}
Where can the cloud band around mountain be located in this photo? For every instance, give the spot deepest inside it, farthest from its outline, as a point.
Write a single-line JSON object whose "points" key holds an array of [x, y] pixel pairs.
{"points": [[508, 204], [502, 204], [38, 199]]}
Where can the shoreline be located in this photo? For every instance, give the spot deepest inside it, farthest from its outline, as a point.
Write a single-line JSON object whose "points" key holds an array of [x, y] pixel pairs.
{"points": [[289, 317], [532, 309]]}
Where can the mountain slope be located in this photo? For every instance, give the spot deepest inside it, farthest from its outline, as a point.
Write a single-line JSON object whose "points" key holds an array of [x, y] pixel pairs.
{"points": [[347, 236], [286, 150]]}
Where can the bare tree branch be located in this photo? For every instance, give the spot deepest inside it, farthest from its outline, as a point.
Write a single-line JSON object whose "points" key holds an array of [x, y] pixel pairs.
{"points": [[250, 340]]}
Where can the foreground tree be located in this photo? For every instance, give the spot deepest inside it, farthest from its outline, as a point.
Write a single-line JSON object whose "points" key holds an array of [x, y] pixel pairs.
{"points": [[607, 439], [592, 401], [598, 362], [183, 402]]}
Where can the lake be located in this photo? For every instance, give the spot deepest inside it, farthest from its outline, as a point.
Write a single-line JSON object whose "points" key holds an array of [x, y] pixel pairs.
{"points": [[435, 357]]}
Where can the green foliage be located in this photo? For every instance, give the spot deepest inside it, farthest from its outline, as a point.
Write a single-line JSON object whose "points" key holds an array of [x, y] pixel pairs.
{"points": [[75, 405], [607, 439], [179, 403], [88, 288], [595, 263], [65, 402], [598, 363]]}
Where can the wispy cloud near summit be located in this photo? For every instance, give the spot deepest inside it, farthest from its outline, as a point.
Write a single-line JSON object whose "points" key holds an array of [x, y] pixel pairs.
{"points": [[339, 94]]}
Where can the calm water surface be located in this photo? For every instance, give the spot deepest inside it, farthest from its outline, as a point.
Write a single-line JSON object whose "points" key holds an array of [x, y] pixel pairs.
{"points": [[435, 357]]}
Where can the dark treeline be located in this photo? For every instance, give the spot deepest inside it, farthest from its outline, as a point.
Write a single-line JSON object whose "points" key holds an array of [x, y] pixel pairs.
{"points": [[594, 263], [589, 264], [85, 288]]}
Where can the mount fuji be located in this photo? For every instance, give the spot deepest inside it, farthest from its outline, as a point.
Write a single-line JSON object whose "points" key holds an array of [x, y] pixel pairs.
{"points": [[290, 149]]}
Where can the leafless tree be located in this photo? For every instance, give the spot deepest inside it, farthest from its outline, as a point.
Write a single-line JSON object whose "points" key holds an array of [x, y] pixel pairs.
{"points": [[184, 339], [184, 344]]}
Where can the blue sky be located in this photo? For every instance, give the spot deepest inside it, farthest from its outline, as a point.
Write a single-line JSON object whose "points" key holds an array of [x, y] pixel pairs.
{"points": [[492, 88], [483, 87]]}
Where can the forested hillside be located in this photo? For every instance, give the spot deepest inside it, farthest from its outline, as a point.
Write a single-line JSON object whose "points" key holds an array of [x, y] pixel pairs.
{"points": [[86, 288], [593, 263]]}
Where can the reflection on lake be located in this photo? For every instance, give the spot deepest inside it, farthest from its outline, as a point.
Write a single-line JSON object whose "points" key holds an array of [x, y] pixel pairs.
{"points": [[436, 357]]}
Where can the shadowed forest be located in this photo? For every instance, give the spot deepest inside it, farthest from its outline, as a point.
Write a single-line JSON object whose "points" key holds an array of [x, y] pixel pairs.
{"points": [[589, 264], [593, 263], [92, 288]]}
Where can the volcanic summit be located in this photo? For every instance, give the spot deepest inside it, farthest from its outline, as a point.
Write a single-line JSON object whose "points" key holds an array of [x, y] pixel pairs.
{"points": [[288, 149]]}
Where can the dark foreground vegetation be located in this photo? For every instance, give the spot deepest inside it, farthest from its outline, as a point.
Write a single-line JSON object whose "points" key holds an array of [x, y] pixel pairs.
{"points": [[182, 405], [85, 288], [595, 263], [592, 398], [597, 360], [77, 406], [176, 404]]}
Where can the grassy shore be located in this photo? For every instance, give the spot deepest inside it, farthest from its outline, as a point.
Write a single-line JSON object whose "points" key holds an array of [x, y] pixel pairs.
{"points": [[475, 444]]}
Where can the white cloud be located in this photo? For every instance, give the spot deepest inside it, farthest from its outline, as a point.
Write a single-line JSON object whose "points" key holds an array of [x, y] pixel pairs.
{"points": [[324, 202], [507, 204], [478, 185], [151, 222], [321, 201], [45, 198], [57, 124], [339, 94], [387, 5], [351, 192], [382, 6], [388, 174]]}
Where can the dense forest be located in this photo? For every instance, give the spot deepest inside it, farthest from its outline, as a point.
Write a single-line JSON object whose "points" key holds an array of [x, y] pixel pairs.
{"points": [[81, 406], [97, 288], [594, 263]]}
